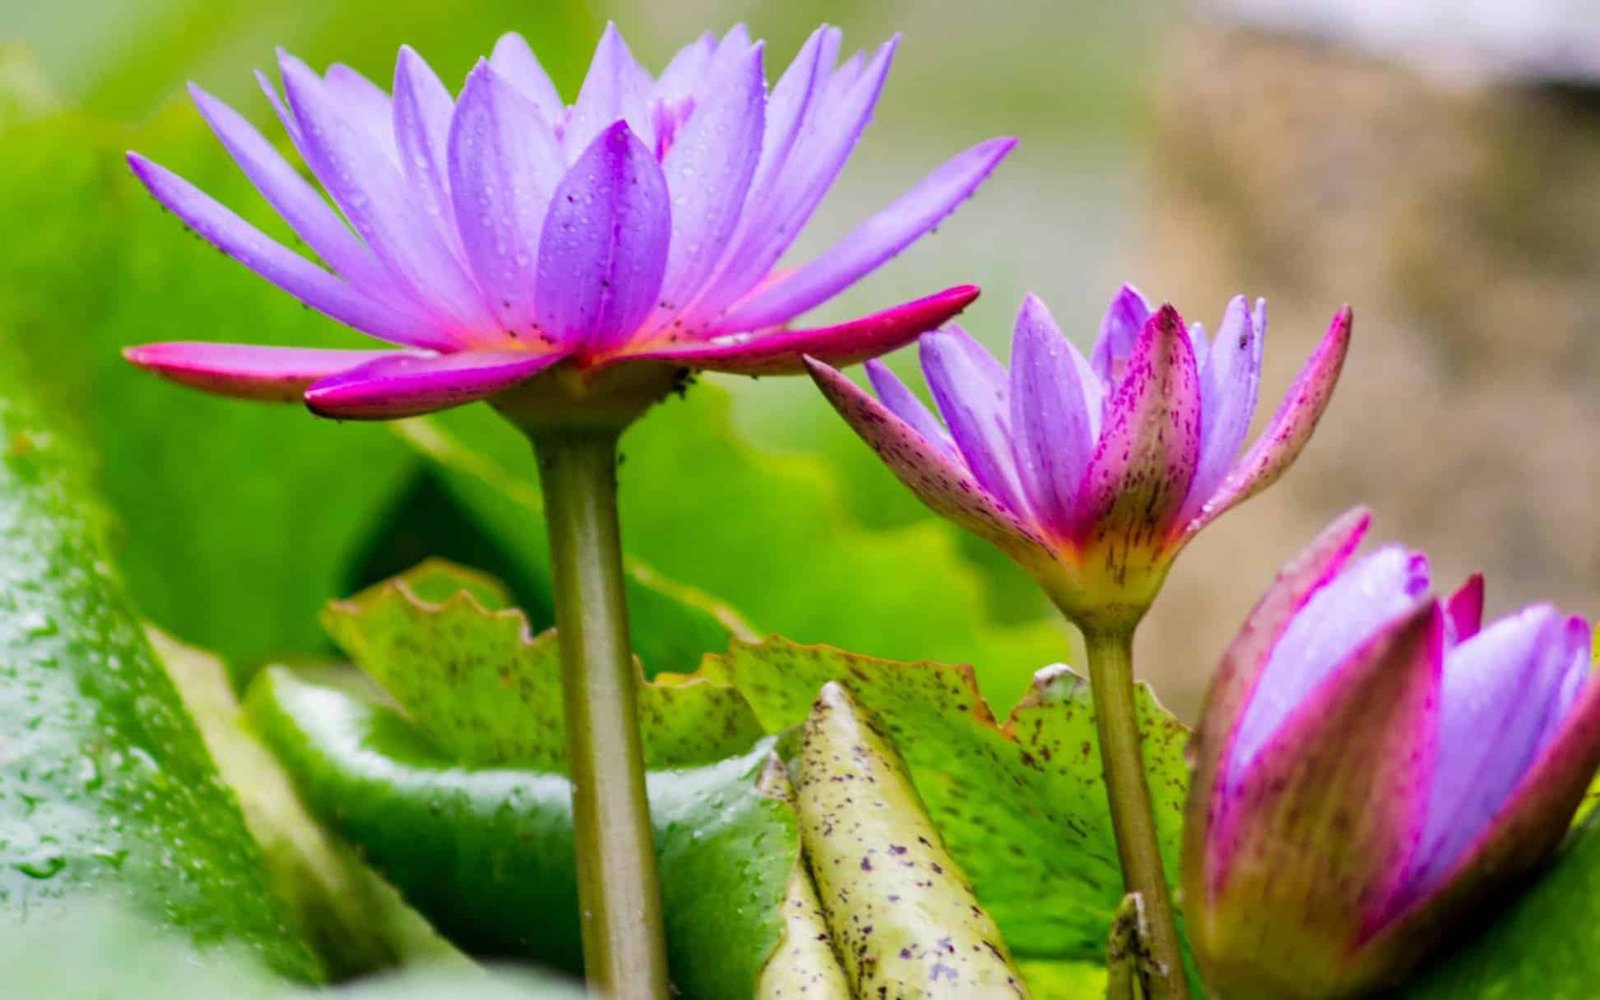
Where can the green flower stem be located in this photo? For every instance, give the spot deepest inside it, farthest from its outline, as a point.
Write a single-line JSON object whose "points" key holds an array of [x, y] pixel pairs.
{"points": [[624, 945], [1111, 680]]}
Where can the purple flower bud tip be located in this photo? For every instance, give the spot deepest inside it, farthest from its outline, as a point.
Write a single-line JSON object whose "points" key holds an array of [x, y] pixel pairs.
{"points": [[499, 232], [1093, 472], [1372, 764]]}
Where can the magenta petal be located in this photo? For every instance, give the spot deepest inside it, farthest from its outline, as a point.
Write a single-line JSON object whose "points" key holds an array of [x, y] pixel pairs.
{"points": [[604, 246], [1464, 609], [249, 371], [422, 113], [1281, 443], [409, 385], [873, 242], [288, 270], [936, 477], [616, 89], [504, 165], [1125, 317], [708, 171], [1145, 459], [1054, 431], [780, 352], [903, 403], [516, 63]]}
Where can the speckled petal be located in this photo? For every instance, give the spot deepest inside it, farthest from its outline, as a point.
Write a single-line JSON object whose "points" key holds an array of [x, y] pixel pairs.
{"points": [[779, 352], [873, 242], [248, 371], [1145, 459], [283, 267], [504, 166], [1281, 443], [604, 246], [406, 386], [938, 479]]}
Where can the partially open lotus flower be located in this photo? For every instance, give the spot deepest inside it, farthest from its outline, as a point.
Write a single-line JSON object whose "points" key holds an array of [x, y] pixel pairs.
{"points": [[496, 234], [1092, 472], [1373, 768]]}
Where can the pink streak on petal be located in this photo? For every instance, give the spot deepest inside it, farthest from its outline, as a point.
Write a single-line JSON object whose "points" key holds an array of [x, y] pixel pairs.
{"points": [[1286, 436], [936, 477], [248, 371], [604, 246], [779, 352], [1465, 608], [406, 386]]}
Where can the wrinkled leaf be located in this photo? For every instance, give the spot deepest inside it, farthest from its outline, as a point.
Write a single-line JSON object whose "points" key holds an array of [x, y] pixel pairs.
{"points": [[486, 691], [487, 853]]}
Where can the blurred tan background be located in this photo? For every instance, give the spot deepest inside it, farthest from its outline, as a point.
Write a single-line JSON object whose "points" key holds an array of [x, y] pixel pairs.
{"points": [[1425, 162]]}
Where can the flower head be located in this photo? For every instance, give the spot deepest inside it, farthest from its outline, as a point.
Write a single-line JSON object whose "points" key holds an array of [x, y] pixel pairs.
{"points": [[498, 233], [1092, 472], [1372, 766]]}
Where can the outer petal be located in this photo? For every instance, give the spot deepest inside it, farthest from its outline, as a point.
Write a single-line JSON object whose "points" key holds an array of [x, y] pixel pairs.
{"points": [[1125, 317], [504, 166], [1053, 432], [1501, 688], [297, 201], [1280, 444], [938, 479], [367, 184], [288, 270], [1229, 385], [604, 246], [1465, 608], [873, 242], [405, 386], [248, 371], [971, 389], [779, 352], [903, 403], [1315, 838], [515, 61], [708, 172], [1147, 453], [616, 89]]}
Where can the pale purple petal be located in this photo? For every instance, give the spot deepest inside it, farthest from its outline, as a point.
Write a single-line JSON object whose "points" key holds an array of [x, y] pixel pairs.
{"points": [[364, 103], [616, 89], [833, 123], [1229, 385], [903, 403], [970, 388], [422, 113], [504, 168], [406, 386], [708, 172], [374, 196], [1501, 692], [1049, 417], [780, 352], [1464, 609], [1144, 460], [1125, 317], [307, 213], [285, 115], [278, 264], [682, 76], [515, 61], [1336, 621], [1577, 637], [604, 246], [248, 371], [937, 478], [1290, 428], [873, 242]]}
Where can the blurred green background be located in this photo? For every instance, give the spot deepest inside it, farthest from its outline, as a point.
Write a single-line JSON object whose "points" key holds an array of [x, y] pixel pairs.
{"points": [[1186, 150]]}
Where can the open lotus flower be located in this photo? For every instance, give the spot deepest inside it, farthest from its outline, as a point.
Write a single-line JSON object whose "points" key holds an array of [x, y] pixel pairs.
{"points": [[1092, 473], [1373, 767], [499, 233]]}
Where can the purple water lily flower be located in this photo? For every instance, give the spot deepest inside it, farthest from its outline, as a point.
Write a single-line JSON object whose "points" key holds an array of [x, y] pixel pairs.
{"points": [[498, 233], [1092, 472], [1372, 766]]}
